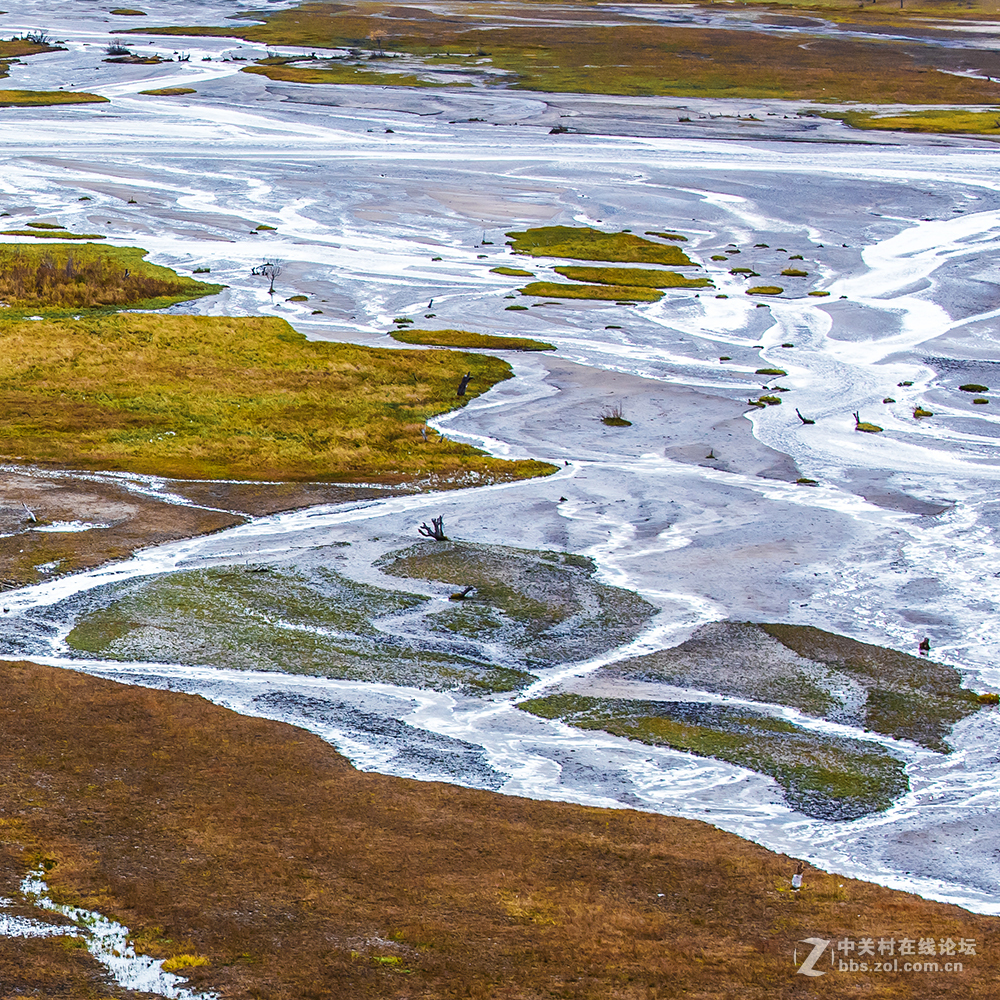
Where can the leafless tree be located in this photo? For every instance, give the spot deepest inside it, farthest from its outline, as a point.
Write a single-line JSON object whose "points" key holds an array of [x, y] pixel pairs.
{"points": [[269, 269]]}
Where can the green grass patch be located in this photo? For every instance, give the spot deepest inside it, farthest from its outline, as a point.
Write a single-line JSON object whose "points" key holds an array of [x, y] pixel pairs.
{"points": [[347, 74], [463, 338], [234, 398], [631, 276], [823, 776], [951, 120], [613, 293], [819, 295], [47, 98], [765, 290], [127, 12], [317, 623], [60, 234], [585, 243], [974, 387], [770, 371], [820, 673], [513, 272], [65, 277], [795, 272], [544, 608], [169, 92], [667, 236]]}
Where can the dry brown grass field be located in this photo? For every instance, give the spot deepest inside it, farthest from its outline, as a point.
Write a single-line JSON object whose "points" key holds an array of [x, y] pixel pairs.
{"points": [[645, 59], [256, 846]]}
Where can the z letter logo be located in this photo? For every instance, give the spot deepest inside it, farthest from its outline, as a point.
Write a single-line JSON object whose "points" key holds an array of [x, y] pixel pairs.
{"points": [[819, 946]]}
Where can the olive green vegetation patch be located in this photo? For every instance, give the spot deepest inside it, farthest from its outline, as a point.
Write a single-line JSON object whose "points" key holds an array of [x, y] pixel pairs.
{"points": [[246, 618], [463, 338], [543, 608], [613, 293], [169, 91], [348, 74], [62, 234], [827, 777], [950, 120], [235, 398], [667, 236], [513, 272], [765, 290], [72, 278], [634, 276], [44, 98], [584, 243], [127, 12], [823, 674]]}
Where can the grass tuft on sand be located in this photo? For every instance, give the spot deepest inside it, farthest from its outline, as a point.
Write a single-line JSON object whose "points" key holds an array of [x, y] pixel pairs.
{"points": [[234, 398], [464, 338], [585, 243]]}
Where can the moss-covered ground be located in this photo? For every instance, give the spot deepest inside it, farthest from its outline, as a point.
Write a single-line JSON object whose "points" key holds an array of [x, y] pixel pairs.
{"points": [[257, 846], [544, 607], [822, 674], [823, 776], [217, 397], [246, 618], [526, 610], [465, 338]]}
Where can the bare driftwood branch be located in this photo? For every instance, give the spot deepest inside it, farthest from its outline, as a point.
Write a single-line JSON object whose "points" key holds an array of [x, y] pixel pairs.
{"points": [[436, 532]]}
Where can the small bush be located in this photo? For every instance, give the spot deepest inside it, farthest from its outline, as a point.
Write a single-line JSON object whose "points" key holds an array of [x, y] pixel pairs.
{"points": [[179, 962], [614, 416], [973, 387]]}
